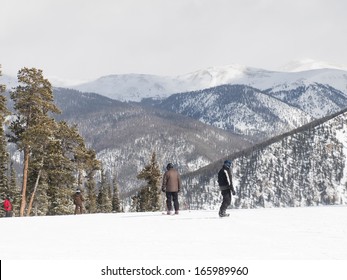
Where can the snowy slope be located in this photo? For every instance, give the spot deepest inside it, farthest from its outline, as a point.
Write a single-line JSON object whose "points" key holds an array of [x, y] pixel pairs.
{"points": [[134, 87], [315, 233]]}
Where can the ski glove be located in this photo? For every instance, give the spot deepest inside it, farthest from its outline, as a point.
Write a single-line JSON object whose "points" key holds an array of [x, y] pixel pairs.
{"points": [[233, 191], [163, 189]]}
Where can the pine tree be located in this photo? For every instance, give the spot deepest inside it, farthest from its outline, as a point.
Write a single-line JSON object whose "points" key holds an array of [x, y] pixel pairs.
{"points": [[92, 165], [54, 153], [45, 137], [116, 204], [68, 157], [91, 204], [33, 100], [104, 200], [149, 195], [3, 144], [14, 190]]}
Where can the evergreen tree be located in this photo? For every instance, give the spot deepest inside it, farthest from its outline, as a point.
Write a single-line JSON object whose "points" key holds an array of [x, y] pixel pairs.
{"points": [[149, 195], [68, 157], [33, 100], [14, 190], [104, 200], [92, 165], [135, 206], [91, 198], [42, 153], [116, 204], [3, 143], [54, 153]]}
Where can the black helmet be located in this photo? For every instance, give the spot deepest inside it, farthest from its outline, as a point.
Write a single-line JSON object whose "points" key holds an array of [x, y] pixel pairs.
{"points": [[169, 166], [227, 163]]}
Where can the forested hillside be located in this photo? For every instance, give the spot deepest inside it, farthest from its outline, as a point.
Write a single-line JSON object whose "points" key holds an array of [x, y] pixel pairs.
{"points": [[124, 135], [301, 168]]}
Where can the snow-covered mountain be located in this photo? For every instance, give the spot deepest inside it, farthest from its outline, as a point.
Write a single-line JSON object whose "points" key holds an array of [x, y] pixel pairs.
{"points": [[250, 111], [304, 167], [238, 108], [134, 87]]}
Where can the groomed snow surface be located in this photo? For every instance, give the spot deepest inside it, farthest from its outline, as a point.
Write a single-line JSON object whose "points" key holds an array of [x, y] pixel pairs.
{"points": [[306, 234]]}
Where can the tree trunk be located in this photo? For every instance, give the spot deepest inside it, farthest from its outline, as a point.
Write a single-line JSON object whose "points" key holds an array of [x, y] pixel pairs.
{"points": [[25, 179], [34, 192]]}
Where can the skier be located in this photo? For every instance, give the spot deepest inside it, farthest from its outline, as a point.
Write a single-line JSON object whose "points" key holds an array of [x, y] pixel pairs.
{"points": [[226, 186], [171, 186], [8, 207], [78, 201]]}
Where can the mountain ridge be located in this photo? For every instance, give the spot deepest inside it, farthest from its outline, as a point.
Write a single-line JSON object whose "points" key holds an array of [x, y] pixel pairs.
{"points": [[135, 87]]}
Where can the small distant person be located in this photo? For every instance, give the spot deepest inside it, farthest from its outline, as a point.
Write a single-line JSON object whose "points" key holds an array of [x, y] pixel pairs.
{"points": [[171, 186], [8, 207], [78, 201], [226, 186]]}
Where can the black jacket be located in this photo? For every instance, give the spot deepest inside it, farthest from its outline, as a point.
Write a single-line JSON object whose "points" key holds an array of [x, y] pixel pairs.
{"points": [[225, 179]]}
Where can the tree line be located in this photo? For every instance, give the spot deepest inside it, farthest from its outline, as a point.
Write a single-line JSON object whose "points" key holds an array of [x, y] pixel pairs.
{"points": [[55, 157]]}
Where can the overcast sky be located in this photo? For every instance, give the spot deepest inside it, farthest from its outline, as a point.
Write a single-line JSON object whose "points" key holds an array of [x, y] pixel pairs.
{"points": [[86, 39]]}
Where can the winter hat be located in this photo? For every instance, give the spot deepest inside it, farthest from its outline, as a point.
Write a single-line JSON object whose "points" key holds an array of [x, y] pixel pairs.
{"points": [[227, 163], [78, 190], [169, 166]]}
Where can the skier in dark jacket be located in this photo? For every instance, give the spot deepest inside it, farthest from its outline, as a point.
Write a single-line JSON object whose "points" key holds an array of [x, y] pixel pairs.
{"points": [[226, 186], [8, 207], [171, 186], [78, 201]]}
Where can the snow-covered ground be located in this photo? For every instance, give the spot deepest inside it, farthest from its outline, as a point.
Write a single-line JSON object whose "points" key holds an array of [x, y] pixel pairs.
{"points": [[314, 233]]}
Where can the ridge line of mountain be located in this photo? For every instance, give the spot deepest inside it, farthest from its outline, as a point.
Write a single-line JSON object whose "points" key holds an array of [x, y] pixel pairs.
{"points": [[218, 163]]}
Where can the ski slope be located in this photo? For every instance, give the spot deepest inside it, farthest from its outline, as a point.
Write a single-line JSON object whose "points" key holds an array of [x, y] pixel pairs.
{"points": [[286, 243], [315, 233]]}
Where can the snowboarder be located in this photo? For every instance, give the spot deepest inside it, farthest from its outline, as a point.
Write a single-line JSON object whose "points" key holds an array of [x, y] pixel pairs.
{"points": [[8, 207], [171, 186], [78, 201], [226, 186]]}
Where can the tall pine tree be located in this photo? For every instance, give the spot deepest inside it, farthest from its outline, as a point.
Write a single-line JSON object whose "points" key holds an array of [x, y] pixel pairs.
{"points": [[33, 100], [4, 188]]}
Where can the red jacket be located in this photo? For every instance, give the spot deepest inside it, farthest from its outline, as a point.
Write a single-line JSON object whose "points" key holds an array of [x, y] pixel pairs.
{"points": [[7, 205]]}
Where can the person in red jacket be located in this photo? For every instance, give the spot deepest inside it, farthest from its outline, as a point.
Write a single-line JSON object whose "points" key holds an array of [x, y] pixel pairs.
{"points": [[8, 207]]}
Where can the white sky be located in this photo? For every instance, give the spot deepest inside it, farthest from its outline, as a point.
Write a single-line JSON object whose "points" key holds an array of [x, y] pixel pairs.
{"points": [[86, 39]]}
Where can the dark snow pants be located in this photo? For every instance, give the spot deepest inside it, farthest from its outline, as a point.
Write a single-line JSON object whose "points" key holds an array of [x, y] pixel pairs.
{"points": [[8, 213], [78, 209], [226, 200], [169, 197]]}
